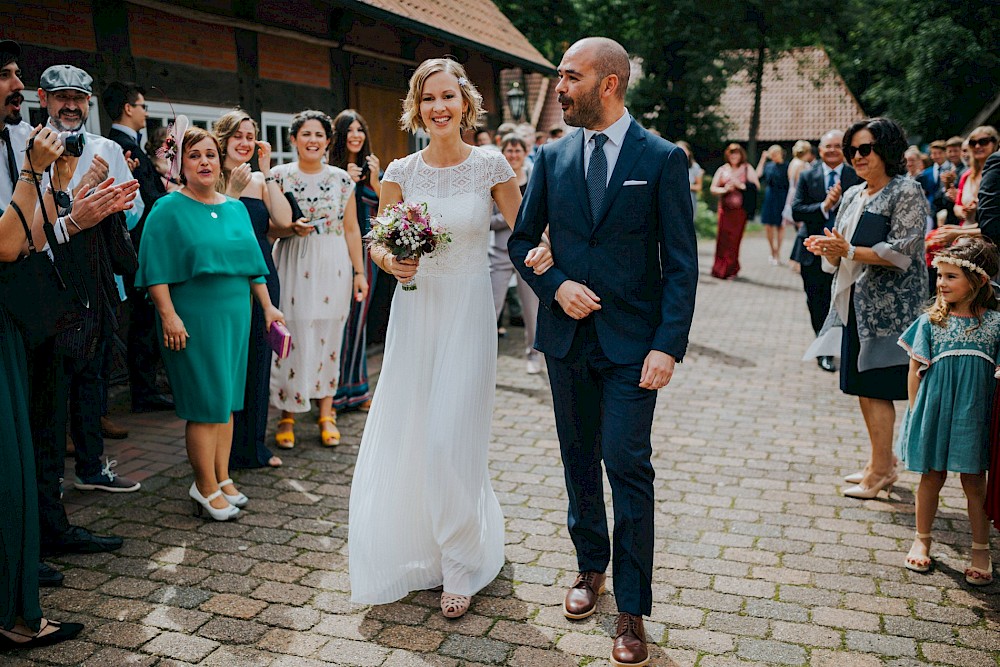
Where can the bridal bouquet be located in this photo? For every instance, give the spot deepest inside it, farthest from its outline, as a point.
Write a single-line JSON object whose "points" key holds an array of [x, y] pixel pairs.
{"points": [[406, 230]]}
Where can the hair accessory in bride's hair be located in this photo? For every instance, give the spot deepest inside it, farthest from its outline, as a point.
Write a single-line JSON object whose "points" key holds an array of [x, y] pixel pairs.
{"points": [[463, 82], [958, 261]]}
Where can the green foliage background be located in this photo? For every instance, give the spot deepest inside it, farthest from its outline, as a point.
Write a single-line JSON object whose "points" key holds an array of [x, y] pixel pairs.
{"points": [[930, 64]]}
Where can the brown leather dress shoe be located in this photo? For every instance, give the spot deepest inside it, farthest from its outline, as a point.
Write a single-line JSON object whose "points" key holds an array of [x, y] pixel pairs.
{"points": [[581, 598], [630, 642], [109, 429]]}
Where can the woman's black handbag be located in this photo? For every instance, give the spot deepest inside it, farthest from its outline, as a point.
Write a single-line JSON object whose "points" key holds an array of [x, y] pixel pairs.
{"points": [[750, 199], [35, 293]]}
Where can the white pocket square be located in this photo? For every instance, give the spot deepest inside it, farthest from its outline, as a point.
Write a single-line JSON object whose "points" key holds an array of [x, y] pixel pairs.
{"points": [[628, 183]]}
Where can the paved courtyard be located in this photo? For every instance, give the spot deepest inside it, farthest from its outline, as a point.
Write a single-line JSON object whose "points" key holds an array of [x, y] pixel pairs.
{"points": [[759, 559]]}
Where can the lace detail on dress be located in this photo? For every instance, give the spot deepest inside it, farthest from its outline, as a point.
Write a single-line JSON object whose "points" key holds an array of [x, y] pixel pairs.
{"points": [[459, 200]]}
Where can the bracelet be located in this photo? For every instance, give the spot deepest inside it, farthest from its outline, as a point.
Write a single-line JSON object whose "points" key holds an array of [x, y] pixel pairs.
{"points": [[270, 179], [357, 273], [69, 216], [31, 172], [27, 179]]}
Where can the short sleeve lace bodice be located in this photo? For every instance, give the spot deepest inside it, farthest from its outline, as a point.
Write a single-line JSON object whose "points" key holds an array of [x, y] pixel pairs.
{"points": [[459, 200]]}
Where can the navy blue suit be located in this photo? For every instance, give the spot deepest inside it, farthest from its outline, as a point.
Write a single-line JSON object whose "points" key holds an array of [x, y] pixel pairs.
{"points": [[639, 255]]}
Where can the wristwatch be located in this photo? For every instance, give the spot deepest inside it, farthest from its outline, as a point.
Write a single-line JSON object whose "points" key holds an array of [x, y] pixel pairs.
{"points": [[850, 252]]}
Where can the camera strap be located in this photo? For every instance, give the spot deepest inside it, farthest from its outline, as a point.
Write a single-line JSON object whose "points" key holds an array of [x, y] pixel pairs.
{"points": [[76, 277]]}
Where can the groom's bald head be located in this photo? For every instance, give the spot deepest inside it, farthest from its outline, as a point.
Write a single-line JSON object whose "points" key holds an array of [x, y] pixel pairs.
{"points": [[607, 57]]}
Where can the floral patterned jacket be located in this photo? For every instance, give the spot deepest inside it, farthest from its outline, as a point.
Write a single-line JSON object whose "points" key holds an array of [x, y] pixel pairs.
{"points": [[887, 299]]}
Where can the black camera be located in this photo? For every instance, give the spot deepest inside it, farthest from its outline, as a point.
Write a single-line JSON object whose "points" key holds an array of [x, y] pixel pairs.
{"points": [[73, 142]]}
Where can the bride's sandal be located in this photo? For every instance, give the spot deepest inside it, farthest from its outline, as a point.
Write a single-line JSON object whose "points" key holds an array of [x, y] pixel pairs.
{"points": [[60, 632], [920, 562], [328, 436], [454, 606], [977, 576], [285, 439]]}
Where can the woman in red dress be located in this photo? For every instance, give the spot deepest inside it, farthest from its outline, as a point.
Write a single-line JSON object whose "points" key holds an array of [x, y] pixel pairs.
{"points": [[729, 185]]}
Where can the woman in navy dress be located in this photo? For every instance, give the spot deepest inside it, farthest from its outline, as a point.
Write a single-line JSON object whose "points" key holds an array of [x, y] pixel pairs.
{"points": [[773, 173], [351, 151], [237, 133]]}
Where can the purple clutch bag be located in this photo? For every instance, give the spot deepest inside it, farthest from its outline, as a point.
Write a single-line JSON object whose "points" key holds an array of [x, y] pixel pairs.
{"points": [[279, 339]]}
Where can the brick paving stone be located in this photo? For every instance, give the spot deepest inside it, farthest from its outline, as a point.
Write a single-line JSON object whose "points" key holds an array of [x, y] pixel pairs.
{"points": [[238, 656], [232, 631], [802, 633], [113, 657], [867, 642], [181, 646], [233, 605], [771, 652], [411, 638], [121, 635], [823, 658], [348, 652], [705, 641], [953, 655]]}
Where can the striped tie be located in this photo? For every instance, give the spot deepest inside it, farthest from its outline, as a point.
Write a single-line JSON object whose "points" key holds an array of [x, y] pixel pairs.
{"points": [[597, 176]]}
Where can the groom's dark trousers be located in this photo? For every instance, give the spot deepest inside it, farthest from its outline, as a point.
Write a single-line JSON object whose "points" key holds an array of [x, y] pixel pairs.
{"points": [[639, 255]]}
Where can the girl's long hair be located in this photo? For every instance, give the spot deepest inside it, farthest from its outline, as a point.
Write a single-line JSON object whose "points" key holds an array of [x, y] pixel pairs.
{"points": [[983, 254], [338, 147], [223, 130]]}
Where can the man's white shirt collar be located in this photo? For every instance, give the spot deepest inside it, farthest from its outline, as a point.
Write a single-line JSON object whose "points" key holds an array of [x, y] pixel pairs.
{"points": [[615, 132], [127, 130], [839, 169]]}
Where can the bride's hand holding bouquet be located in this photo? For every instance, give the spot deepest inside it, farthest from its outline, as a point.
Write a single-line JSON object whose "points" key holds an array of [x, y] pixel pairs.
{"points": [[406, 232]]}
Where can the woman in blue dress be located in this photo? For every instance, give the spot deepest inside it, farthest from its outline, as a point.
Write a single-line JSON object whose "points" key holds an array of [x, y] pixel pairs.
{"points": [[269, 210], [773, 174]]}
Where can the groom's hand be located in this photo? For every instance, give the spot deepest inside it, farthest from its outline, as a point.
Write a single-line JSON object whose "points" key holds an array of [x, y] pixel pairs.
{"points": [[657, 370], [577, 300]]}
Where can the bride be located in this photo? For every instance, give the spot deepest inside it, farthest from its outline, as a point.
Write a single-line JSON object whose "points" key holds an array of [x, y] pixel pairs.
{"points": [[422, 512]]}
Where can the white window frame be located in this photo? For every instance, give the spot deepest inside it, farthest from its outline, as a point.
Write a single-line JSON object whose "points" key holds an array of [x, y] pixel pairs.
{"points": [[275, 128], [199, 115], [93, 124]]}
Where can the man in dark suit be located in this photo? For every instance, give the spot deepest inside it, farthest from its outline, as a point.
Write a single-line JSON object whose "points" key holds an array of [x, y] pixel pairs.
{"points": [[817, 200], [126, 103], [930, 178], [616, 313]]}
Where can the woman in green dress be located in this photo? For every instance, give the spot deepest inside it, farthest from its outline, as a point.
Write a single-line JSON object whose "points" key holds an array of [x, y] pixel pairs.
{"points": [[21, 621], [200, 261]]}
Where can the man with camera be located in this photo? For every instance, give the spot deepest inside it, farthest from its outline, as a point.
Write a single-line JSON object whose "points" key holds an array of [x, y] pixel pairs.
{"points": [[99, 254]]}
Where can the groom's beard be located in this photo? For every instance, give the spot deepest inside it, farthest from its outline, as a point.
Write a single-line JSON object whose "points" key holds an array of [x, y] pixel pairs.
{"points": [[585, 111]]}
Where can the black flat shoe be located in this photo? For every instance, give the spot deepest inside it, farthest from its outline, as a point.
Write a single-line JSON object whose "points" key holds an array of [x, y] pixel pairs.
{"points": [[826, 363], [49, 577], [79, 540], [63, 632]]}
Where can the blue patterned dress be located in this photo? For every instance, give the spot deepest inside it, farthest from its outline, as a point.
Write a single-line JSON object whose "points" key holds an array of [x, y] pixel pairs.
{"points": [[947, 427]]}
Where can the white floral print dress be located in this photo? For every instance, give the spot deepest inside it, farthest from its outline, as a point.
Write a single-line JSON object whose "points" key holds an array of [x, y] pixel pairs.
{"points": [[316, 279]]}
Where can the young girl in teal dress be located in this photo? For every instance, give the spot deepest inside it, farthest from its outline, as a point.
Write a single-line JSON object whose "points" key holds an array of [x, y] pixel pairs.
{"points": [[953, 350]]}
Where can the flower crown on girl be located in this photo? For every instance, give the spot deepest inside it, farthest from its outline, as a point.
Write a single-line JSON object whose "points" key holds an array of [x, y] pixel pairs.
{"points": [[943, 258]]}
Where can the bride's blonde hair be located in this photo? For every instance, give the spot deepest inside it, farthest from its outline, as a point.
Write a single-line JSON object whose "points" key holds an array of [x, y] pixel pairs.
{"points": [[411, 120]]}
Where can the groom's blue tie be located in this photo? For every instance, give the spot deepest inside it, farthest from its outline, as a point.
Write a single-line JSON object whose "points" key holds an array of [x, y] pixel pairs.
{"points": [[597, 176]]}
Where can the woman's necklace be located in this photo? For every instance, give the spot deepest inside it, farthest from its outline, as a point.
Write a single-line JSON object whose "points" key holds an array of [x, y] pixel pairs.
{"points": [[190, 193]]}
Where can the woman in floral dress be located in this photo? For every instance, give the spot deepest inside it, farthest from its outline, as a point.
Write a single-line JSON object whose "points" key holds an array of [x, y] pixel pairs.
{"points": [[321, 268]]}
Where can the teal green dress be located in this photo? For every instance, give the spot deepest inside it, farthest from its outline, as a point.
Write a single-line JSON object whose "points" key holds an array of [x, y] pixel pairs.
{"points": [[947, 427], [208, 255], [18, 495]]}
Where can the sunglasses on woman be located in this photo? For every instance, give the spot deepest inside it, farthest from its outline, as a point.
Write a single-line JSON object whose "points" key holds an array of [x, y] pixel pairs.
{"points": [[984, 142], [863, 149]]}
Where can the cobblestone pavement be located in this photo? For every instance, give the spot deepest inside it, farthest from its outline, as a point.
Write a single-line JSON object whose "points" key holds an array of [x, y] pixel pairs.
{"points": [[759, 560]]}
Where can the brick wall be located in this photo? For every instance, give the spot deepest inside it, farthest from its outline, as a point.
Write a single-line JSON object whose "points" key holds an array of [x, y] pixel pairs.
{"points": [[292, 61], [58, 24], [172, 39]]}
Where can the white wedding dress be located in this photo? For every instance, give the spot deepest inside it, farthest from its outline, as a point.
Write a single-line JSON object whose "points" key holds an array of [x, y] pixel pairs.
{"points": [[423, 512]]}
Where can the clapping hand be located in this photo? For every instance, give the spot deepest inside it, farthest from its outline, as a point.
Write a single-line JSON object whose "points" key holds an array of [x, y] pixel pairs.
{"points": [[106, 199], [239, 179], [133, 163], [832, 196], [373, 168], [831, 244], [354, 171], [264, 157]]}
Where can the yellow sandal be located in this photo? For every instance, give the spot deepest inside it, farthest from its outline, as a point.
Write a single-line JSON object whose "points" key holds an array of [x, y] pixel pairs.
{"points": [[286, 439], [329, 437]]}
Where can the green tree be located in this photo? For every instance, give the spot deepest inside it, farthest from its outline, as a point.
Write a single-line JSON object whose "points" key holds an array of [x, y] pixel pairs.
{"points": [[550, 25], [930, 65]]}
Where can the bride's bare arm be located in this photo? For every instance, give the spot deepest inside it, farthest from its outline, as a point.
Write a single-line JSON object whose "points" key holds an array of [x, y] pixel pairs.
{"points": [[508, 199]]}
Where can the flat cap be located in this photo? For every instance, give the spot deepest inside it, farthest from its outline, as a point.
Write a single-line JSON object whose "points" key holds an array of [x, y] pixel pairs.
{"points": [[66, 77]]}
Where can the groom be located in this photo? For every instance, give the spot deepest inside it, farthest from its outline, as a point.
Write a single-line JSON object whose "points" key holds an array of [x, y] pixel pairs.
{"points": [[616, 311]]}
